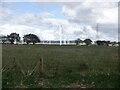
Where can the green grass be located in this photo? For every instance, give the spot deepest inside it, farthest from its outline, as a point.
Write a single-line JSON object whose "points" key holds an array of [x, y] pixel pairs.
{"points": [[64, 66]]}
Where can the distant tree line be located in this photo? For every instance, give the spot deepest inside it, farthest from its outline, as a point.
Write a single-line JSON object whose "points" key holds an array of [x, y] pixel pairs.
{"points": [[14, 37], [32, 38], [106, 43], [98, 42]]}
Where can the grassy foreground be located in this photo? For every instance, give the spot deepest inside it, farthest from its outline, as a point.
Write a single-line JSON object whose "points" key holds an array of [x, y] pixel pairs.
{"points": [[64, 66]]}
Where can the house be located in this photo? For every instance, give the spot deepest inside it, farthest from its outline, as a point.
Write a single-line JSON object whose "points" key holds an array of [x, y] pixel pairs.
{"points": [[113, 44], [116, 45], [82, 43]]}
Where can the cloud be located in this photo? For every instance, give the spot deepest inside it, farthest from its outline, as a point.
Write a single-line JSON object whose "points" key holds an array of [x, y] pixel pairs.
{"points": [[69, 33], [5, 14], [110, 16], [60, 1], [23, 29], [79, 24], [91, 13]]}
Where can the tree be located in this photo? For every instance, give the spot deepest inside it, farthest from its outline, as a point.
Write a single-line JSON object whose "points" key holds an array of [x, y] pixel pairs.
{"points": [[103, 43], [12, 37], [88, 41], [119, 43], [31, 38], [78, 41]]}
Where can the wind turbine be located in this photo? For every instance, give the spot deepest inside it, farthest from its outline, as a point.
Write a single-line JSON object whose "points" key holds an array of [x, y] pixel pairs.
{"points": [[62, 35], [60, 31]]}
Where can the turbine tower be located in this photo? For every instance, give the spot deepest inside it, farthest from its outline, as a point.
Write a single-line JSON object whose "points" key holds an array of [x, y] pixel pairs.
{"points": [[60, 35]]}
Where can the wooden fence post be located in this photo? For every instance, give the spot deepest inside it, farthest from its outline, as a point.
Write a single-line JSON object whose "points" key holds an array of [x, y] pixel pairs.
{"points": [[40, 72], [41, 67], [14, 64], [14, 68]]}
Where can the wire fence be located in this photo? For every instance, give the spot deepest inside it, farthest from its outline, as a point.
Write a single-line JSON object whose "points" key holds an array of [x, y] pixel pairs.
{"points": [[20, 76]]}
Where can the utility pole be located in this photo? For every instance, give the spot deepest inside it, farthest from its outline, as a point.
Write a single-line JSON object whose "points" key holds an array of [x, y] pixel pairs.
{"points": [[97, 34]]}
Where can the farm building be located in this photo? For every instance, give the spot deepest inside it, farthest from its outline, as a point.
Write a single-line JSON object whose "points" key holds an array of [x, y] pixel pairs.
{"points": [[82, 43]]}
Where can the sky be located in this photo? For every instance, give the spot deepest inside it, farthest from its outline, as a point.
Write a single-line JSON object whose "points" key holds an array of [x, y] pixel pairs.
{"points": [[78, 19]]}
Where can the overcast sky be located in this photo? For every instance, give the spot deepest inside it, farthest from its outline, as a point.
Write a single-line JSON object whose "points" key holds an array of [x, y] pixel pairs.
{"points": [[78, 20]]}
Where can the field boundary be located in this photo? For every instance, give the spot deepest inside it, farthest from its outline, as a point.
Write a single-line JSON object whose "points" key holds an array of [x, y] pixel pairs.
{"points": [[0, 66]]}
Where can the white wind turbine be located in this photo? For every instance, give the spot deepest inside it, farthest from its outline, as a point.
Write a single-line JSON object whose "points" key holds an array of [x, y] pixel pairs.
{"points": [[60, 30], [62, 35]]}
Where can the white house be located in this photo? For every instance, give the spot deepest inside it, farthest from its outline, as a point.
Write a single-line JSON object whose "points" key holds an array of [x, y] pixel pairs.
{"points": [[82, 43]]}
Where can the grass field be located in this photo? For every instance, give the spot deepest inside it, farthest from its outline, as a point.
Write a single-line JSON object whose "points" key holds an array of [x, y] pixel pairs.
{"points": [[64, 66]]}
